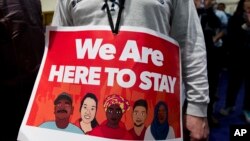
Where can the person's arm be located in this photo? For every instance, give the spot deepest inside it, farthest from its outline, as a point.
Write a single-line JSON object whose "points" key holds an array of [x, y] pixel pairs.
{"points": [[186, 29], [218, 36]]}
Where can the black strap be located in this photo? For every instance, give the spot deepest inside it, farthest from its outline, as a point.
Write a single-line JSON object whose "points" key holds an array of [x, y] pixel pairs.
{"points": [[115, 29]]}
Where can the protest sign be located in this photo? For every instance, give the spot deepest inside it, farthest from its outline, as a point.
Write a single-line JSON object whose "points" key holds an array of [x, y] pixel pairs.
{"points": [[115, 71]]}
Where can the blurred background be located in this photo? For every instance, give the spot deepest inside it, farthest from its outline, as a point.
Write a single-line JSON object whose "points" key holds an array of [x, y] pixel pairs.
{"points": [[49, 5]]}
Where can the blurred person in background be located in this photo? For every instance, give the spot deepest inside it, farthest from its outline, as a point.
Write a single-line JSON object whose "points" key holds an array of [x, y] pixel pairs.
{"points": [[219, 38], [220, 33], [239, 50], [21, 50], [211, 24], [222, 6], [224, 50], [176, 19]]}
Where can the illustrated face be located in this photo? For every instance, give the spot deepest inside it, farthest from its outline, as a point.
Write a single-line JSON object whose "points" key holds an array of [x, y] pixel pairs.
{"points": [[162, 114], [88, 110], [63, 109], [139, 115], [114, 114]]}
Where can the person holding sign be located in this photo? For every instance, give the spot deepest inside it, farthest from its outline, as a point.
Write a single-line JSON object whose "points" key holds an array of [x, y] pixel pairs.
{"points": [[63, 110], [176, 19]]}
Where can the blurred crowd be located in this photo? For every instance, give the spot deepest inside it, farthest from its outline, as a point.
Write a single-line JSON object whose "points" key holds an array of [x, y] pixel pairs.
{"points": [[228, 47]]}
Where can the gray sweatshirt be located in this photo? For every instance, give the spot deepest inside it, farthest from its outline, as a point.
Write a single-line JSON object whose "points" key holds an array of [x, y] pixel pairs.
{"points": [[174, 18]]}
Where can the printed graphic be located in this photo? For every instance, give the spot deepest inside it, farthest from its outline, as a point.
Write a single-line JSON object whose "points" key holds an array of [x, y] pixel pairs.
{"points": [[93, 83]]}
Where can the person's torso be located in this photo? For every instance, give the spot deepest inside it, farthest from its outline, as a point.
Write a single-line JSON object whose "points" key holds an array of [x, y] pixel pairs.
{"points": [[152, 14]]}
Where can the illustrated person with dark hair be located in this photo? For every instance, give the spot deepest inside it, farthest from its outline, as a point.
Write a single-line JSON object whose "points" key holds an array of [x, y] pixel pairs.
{"points": [[21, 50], [63, 109], [160, 128], [139, 114], [113, 127], [176, 19], [88, 110]]}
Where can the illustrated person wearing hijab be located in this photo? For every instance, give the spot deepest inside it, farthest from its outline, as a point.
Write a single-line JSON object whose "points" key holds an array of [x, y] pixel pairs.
{"points": [[159, 128], [115, 106]]}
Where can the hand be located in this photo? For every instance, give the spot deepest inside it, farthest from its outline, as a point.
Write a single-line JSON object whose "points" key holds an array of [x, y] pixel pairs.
{"points": [[197, 127]]}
